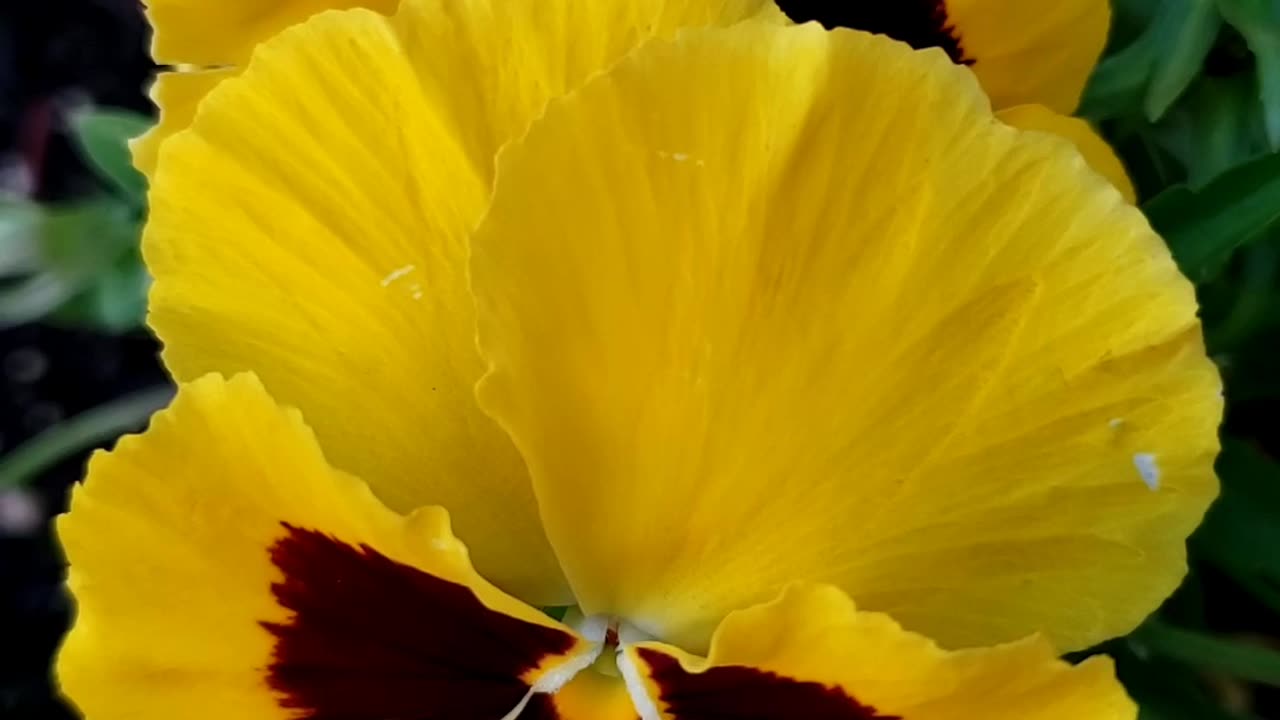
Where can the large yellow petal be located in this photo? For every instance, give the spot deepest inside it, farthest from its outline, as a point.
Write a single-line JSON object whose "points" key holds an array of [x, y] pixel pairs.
{"points": [[222, 569], [776, 304], [811, 654], [1023, 51], [1096, 151], [311, 227]]}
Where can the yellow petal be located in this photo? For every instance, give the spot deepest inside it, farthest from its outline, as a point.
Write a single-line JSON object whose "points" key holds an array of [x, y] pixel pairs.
{"points": [[588, 696], [311, 227], [810, 653], [775, 304], [176, 96], [1031, 52], [201, 32], [1096, 151], [221, 568]]}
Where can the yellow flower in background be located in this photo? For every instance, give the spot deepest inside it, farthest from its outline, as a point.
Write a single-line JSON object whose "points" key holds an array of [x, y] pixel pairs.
{"points": [[1032, 58], [779, 320]]}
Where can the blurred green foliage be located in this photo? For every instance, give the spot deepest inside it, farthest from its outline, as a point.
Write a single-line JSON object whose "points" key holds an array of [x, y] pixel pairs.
{"points": [[78, 263]]}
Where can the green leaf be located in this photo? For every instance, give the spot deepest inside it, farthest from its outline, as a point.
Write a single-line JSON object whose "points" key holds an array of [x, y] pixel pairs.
{"points": [[1259, 22], [1117, 83], [94, 426], [1214, 127], [78, 263], [1183, 34], [32, 298], [1209, 652], [84, 239], [103, 135], [1204, 227], [115, 302], [1164, 690], [1252, 307], [1244, 522], [19, 237]]}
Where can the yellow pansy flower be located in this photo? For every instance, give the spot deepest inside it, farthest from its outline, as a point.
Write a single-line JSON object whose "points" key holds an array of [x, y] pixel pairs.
{"points": [[779, 320], [1033, 58]]}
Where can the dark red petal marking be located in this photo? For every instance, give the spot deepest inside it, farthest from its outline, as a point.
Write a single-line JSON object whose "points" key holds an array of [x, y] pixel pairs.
{"points": [[540, 707], [918, 23], [736, 692], [372, 638]]}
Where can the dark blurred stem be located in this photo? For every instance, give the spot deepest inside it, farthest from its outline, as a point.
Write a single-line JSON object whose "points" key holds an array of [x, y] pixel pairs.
{"points": [[1240, 660], [85, 430]]}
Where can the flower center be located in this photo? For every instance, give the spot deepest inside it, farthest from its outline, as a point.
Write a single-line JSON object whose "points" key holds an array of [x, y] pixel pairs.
{"points": [[610, 632]]}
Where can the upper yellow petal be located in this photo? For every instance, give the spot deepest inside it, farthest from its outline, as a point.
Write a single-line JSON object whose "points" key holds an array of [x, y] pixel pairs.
{"points": [[224, 32], [221, 568], [811, 653], [772, 304], [1096, 151], [311, 226]]}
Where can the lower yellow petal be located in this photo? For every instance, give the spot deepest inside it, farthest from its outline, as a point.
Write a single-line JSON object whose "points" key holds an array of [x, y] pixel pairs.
{"points": [[770, 304], [1096, 151], [812, 654], [176, 96], [589, 696], [222, 569]]}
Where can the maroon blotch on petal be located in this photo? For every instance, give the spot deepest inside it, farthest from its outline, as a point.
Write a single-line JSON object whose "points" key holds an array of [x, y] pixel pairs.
{"points": [[372, 638], [736, 692]]}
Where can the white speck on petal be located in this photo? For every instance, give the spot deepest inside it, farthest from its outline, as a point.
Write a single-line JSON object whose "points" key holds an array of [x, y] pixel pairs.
{"points": [[679, 157], [1148, 469], [1115, 423], [396, 274], [415, 291]]}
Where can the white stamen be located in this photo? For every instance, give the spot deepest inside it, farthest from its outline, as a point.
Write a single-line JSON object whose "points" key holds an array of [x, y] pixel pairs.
{"points": [[1148, 469], [396, 274], [636, 689], [558, 677], [593, 628], [519, 708]]}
